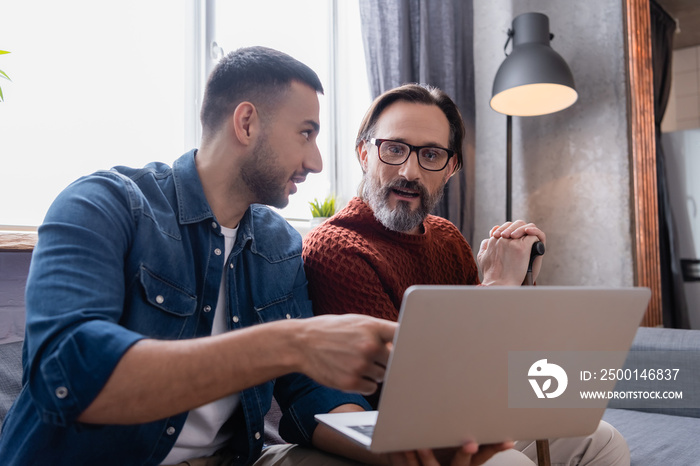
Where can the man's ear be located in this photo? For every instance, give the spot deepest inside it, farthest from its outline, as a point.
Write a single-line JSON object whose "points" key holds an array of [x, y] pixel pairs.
{"points": [[244, 121], [451, 168], [362, 150]]}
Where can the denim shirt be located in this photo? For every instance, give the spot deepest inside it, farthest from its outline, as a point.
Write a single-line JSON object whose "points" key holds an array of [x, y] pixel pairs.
{"points": [[128, 254]]}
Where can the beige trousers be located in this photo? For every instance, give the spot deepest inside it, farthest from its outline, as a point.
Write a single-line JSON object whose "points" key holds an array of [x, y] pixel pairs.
{"points": [[604, 447]]}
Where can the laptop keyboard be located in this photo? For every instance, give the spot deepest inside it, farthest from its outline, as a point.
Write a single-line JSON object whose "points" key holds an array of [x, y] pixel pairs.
{"points": [[367, 430]]}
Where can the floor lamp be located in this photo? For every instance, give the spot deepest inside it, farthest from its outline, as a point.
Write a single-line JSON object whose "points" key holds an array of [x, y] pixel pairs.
{"points": [[533, 80]]}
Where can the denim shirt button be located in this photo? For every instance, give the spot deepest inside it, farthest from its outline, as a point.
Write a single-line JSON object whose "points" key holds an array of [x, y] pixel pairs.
{"points": [[257, 436], [207, 308], [235, 319], [230, 265], [217, 251], [170, 430], [214, 225], [160, 299], [61, 392], [288, 316]]}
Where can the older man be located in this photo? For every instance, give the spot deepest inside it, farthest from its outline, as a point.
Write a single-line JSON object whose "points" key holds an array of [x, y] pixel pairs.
{"points": [[363, 259]]}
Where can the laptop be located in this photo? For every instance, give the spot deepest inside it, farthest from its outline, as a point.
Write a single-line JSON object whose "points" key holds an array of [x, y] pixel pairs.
{"points": [[490, 364]]}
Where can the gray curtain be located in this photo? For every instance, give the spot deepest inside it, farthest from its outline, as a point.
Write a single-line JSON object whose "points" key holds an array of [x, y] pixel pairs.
{"points": [[429, 42]]}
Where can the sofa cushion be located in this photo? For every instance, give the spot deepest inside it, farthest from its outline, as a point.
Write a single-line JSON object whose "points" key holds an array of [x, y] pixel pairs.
{"points": [[664, 348], [656, 439], [10, 375]]}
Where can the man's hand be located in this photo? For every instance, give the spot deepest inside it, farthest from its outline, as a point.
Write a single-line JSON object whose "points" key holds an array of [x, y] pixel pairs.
{"points": [[329, 440], [469, 454], [348, 352], [504, 256]]}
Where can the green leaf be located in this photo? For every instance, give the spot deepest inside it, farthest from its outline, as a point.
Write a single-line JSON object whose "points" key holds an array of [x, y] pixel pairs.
{"points": [[3, 75], [315, 211], [323, 209]]}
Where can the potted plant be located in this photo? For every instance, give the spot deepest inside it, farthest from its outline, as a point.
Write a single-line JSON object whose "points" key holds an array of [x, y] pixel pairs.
{"points": [[320, 211], [3, 75]]}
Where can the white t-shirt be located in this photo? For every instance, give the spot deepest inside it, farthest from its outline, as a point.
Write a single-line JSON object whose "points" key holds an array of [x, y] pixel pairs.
{"points": [[201, 435]]}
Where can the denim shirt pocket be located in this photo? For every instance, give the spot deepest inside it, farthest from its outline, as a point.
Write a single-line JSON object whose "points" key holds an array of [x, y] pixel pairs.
{"points": [[172, 305], [284, 307]]}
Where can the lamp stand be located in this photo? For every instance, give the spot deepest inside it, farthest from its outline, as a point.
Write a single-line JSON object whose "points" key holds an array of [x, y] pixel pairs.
{"points": [[509, 167], [542, 445]]}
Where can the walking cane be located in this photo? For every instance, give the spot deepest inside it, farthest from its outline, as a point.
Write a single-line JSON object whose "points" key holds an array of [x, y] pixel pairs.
{"points": [[542, 445], [537, 250]]}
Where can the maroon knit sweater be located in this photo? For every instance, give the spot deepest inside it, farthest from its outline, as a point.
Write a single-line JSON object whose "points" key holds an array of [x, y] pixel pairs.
{"points": [[355, 265]]}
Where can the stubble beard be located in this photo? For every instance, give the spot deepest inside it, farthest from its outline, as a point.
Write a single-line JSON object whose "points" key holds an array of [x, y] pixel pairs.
{"points": [[402, 218], [264, 177]]}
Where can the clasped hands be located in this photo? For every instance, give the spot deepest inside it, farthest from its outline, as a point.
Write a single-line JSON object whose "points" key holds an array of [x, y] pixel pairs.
{"points": [[505, 254]]}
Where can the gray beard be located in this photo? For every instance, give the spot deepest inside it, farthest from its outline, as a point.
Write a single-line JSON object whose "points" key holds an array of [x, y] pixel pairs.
{"points": [[402, 219]]}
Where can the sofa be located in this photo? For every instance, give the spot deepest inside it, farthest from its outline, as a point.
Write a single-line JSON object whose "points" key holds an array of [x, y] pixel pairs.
{"points": [[10, 375], [661, 436]]}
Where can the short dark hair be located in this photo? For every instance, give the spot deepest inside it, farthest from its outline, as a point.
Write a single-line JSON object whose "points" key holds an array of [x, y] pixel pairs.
{"points": [[258, 75], [420, 94]]}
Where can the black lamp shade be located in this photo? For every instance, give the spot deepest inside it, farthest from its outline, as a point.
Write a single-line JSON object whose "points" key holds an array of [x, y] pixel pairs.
{"points": [[533, 79]]}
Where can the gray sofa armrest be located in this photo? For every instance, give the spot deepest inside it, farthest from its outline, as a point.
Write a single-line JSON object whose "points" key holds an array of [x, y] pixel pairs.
{"points": [[665, 348], [10, 375], [666, 339]]}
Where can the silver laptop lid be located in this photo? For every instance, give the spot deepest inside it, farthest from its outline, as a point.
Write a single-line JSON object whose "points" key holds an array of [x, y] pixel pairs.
{"points": [[463, 356]]}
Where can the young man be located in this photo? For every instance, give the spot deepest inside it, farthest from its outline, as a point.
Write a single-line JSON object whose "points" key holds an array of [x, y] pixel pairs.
{"points": [[363, 259], [164, 304]]}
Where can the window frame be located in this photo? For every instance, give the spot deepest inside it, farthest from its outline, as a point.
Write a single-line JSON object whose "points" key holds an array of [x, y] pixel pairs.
{"points": [[199, 41]]}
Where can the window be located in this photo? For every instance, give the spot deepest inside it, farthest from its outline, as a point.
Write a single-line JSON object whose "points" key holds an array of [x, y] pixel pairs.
{"points": [[94, 84], [325, 35], [98, 84]]}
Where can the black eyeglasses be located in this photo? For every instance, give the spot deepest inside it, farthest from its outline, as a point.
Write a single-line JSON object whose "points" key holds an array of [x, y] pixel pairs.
{"points": [[430, 158]]}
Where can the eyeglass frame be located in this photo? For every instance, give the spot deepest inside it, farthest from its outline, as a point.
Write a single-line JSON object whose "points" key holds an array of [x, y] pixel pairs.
{"points": [[411, 148]]}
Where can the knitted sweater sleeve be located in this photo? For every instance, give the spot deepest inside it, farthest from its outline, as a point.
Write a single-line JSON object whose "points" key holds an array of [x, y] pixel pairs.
{"points": [[342, 277]]}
